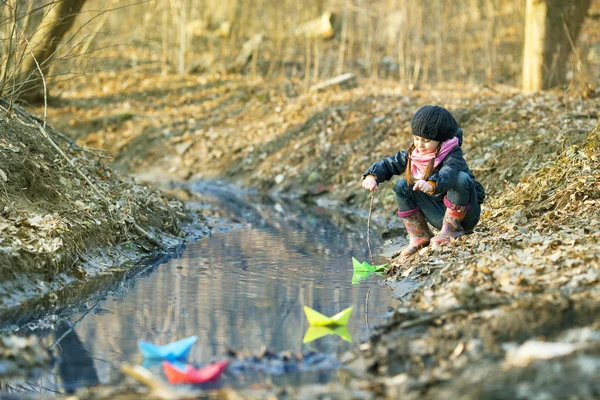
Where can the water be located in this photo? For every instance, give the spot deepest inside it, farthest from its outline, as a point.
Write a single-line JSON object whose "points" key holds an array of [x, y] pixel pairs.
{"points": [[243, 288]]}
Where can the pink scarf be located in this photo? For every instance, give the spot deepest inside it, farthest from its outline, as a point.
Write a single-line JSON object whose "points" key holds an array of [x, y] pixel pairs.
{"points": [[419, 161]]}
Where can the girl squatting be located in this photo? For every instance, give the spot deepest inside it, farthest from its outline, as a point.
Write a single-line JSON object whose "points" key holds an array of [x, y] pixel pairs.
{"points": [[438, 186]]}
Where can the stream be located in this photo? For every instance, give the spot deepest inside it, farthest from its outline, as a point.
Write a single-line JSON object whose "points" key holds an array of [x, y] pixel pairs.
{"points": [[240, 290]]}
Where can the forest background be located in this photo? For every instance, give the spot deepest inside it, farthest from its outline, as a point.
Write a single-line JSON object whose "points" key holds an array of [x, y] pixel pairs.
{"points": [[415, 43]]}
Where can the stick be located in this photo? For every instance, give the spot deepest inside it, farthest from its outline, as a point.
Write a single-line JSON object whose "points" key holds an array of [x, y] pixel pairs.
{"points": [[333, 81], [159, 389], [43, 81], [372, 262], [62, 153], [148, 236], [369, 229]]}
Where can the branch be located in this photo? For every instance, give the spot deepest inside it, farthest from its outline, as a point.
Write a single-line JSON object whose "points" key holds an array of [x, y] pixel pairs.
{"points": [[62, 153], [148, 236], [43, 81]]}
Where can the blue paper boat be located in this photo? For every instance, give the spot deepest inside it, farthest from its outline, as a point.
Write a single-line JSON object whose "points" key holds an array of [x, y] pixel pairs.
{"points": [[178, 350]]}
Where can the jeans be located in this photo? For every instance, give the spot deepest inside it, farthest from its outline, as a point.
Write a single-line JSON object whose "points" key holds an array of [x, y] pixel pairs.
{"points": [[462, 194]]}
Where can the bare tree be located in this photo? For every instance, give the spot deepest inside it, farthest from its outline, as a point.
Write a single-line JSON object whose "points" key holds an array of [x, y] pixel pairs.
{"points": [[43, 44], [551, 31], [411, 40]]}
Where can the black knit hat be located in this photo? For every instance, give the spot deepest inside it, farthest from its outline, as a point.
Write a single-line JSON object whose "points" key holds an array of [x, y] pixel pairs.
{"points": [[434, 123]]}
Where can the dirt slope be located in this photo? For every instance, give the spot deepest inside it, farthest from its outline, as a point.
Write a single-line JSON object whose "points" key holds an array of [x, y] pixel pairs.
{"points": [[59, 231]]}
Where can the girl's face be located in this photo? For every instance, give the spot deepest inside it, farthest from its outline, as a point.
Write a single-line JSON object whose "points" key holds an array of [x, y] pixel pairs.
{"points": [[424, 146]]}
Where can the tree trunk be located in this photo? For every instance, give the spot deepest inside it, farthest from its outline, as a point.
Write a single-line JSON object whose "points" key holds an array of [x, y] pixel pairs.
{"points": [[551, 30], [43, 46]]}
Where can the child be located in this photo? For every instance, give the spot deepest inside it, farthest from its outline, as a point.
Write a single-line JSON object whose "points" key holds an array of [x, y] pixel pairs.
{"points": [[439, 188]]}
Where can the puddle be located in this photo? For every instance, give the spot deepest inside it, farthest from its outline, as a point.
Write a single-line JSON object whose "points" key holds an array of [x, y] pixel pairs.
{"points": [[243, 288]]}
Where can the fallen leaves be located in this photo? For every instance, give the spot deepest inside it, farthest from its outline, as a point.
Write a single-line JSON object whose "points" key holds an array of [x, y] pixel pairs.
{"points": [[49, 215], [536, 252]]}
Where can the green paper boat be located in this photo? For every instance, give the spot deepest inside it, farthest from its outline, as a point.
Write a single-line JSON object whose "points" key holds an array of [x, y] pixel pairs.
{"points": [[363, 270], [359, 276], [315, 318], [366, 267], [316, 332]]}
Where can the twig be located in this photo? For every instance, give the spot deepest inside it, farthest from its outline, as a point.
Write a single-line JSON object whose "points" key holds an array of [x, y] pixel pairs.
{"points": [[62, 153], [71, 142], [45, 119], [369, 229], [372, 261], [43, 82], [148, 236]]}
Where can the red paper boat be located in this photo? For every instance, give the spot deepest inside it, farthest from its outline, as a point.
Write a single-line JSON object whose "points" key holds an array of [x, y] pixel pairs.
{"points": [[210, 373]]}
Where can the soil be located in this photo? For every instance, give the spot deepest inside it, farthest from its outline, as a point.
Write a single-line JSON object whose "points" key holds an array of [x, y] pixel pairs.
{"points": [[509, 311], [68, 222]]}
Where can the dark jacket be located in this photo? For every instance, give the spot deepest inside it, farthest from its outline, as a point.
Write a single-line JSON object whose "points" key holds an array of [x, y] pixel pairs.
{"points": [[444, 175]]}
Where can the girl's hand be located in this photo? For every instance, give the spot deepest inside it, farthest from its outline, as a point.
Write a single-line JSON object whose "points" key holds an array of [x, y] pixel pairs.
{"points": [[423, 186], [369, 183]]}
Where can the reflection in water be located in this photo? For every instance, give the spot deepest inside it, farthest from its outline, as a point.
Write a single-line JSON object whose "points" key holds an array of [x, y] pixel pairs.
{"points": [[317, 332], [76, 367], [241, 289]]}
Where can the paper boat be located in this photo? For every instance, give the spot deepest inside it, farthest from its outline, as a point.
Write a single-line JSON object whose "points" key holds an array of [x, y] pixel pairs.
{"points": [[173, 351], [315, 318], [316, 332], [359, 276], [363, 270], [366, 267], [210, 373]]}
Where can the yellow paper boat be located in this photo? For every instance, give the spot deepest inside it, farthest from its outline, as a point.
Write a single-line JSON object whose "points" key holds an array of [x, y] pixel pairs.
{"points": [[316, 332], [315, 318]]}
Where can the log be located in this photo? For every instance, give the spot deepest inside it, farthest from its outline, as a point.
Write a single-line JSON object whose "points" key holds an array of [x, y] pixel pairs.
{"points": [[345, 81]]}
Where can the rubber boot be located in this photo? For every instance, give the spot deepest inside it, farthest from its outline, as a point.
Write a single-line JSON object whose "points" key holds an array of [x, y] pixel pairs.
{"points": [[451, 227], [419, 233]]}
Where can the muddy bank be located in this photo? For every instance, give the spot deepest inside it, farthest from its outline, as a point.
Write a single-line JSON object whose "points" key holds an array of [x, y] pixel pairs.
{"points": [[69, 224], [499, 313], [510, 311]]}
